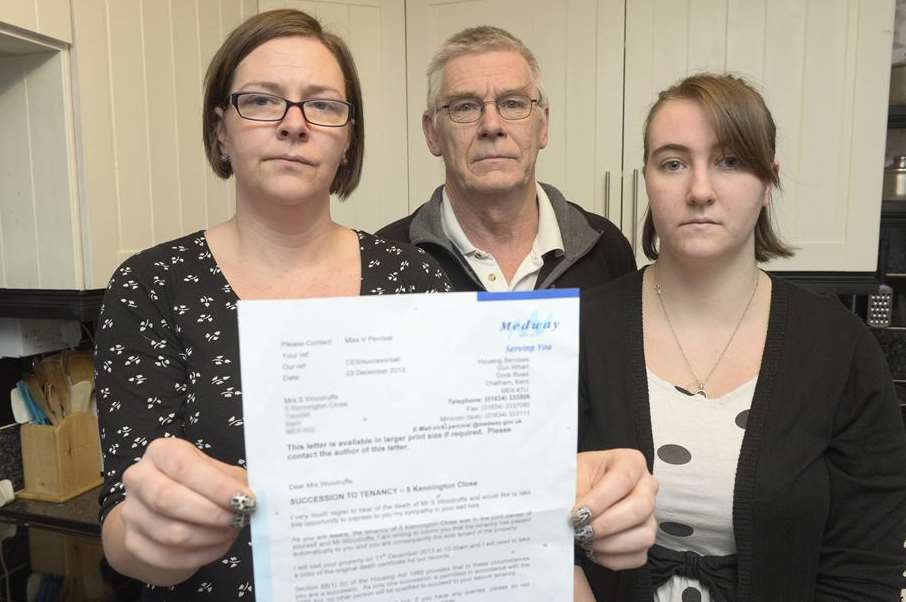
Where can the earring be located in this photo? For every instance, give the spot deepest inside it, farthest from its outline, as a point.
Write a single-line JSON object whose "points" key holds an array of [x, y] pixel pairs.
{"points": [[344, 160]]}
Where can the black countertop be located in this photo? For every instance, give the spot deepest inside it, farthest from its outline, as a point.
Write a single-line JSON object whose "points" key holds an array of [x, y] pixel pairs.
{"points": [[58, 545], [78, 514]]}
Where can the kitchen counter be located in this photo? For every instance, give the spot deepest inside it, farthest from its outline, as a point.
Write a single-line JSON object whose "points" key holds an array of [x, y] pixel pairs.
{"points": [[56, 547], [79, 514]]}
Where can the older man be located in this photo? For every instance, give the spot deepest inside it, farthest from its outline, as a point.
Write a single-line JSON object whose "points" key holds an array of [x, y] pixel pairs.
{"points": [[492, 226]]}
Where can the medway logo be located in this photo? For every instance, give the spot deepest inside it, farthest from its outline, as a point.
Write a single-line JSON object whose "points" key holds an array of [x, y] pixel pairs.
{"points": [[530, 327]]}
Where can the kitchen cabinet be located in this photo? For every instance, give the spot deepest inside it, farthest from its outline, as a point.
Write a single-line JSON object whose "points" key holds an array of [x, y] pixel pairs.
{"points": [[578, 45], [40, 244], [375, 31], [101, 154], [144, 176], [823, 67], [50, 18]]}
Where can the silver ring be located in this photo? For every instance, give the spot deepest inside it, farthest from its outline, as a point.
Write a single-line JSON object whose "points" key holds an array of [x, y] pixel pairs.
{"points": [[585, 534], [240, 520], [243, 504], [581, 517]]}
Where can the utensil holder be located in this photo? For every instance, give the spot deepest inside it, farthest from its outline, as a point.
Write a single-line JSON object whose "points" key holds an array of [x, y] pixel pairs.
{"points": [[63, 461]]}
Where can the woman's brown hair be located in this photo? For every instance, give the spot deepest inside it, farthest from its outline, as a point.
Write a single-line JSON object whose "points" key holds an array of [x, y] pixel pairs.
{"points": [[744, 126], [240, 43]]}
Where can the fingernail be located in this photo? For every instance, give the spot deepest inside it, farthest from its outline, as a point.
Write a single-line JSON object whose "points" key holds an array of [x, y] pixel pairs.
{"points": [[585, 534], [243, 504], [580, 517], [240, 520]]}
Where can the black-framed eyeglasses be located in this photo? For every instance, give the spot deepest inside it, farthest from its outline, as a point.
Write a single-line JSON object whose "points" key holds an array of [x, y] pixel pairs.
{"points": [[511, 107], [258, 106]]}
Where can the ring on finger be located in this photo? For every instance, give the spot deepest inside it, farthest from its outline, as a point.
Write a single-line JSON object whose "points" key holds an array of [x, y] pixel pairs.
{"points": [[581, 517], [584, 534], [240, 520], [242, 503]]}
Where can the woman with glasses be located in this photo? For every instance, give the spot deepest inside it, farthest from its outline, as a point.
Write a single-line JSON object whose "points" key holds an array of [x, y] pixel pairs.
{"points": [[283, 115], [766, 413]]}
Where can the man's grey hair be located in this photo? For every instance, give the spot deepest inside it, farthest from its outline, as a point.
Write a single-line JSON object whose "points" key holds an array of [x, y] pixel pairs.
{"points": [[484, 38]]}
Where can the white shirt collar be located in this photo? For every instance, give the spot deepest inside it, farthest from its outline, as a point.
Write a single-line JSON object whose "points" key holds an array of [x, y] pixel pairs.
{"points": [[548, 237]]}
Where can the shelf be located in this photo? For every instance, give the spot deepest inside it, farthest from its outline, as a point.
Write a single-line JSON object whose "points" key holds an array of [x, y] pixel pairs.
{"points": [[837, 283], [83, 306]]}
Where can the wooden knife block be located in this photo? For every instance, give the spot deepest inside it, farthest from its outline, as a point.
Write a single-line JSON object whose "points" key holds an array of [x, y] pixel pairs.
{"points": [[63, 461]]}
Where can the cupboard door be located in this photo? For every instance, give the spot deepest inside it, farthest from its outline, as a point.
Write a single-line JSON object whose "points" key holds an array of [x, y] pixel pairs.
{"points": [[822, 66], [374, 30], [138, 81], [581, 71], [47, 17], [39, 222]]}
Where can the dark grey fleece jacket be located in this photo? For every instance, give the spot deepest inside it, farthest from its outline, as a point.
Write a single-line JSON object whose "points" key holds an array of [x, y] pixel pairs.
{"points": [[595, 251]]}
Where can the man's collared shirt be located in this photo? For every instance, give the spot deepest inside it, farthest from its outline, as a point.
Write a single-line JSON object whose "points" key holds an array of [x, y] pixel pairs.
{"points": [[484, 265]]}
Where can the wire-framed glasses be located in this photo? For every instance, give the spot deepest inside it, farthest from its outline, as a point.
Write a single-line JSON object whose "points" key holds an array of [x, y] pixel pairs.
{"points": [[511, 107]]}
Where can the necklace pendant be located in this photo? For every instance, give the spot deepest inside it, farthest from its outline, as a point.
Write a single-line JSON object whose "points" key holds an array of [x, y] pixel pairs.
{"points": [[700, 390]]}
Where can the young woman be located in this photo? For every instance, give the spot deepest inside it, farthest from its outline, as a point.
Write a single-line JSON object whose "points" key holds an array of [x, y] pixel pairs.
{"points": [[767, 413]]}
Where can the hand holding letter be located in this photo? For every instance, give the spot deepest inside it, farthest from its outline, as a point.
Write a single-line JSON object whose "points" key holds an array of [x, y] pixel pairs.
{"points": [[177, 513]]}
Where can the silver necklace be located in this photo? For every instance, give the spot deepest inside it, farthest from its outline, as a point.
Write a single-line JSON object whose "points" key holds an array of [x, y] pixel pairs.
{"points": [[700, 384]]}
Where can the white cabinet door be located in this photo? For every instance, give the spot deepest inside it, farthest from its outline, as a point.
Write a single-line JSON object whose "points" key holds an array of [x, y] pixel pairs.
{"points": [[578, 45], [39, 221], [51, 18], [375, 33], [822, 66], [138, 78]]}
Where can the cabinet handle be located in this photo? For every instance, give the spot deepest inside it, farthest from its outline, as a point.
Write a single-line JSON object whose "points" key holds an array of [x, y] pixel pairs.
{"points": [[635, 208], [607, 194]]}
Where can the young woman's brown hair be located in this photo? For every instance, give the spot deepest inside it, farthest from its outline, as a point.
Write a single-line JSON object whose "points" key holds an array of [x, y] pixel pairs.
{"points": [[744, 126], [247, 37]]}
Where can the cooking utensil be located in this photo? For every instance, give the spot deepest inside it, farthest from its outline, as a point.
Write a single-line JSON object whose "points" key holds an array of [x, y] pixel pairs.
{"points": [[38, 415], [80, 397], [37, 396], [21, 414], [55, 384], [79, 367]]}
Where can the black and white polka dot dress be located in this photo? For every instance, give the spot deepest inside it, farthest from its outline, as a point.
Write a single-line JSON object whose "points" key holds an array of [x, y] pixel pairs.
{"points": [[167, 361], [696, 444]]}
